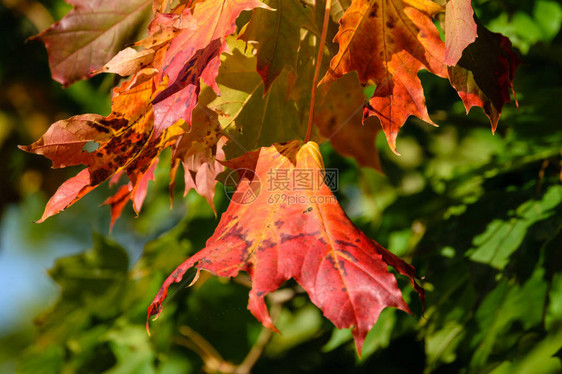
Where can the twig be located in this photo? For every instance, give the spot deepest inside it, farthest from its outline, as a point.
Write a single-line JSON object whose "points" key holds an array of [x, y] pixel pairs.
{"points": [[258, 347], [212, 359], [317, 69]]}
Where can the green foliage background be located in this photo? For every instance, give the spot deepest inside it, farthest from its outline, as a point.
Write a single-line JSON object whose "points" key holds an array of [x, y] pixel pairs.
{"points": [[480, 217]]}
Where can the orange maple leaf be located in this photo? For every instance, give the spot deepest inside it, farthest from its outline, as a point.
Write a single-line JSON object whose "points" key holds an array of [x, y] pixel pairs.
{"points": [[389, 42], [147, 110]]}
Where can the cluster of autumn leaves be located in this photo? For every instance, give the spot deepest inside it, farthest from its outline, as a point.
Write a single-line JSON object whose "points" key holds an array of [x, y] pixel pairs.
{"points": [[212, 89]]}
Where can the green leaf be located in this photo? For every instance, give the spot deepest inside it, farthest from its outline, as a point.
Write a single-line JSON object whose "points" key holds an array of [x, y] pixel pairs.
{"points": [[278, 34], [503, 237], [298, 327], [42, 361], [549, 16], [251, 118], [540, 359], [441, 346], [92, 285], [132, 350], [526, 29], [505, 305]]}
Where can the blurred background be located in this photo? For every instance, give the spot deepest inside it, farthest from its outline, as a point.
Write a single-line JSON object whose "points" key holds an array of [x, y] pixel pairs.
{"points": [[480, 216]]}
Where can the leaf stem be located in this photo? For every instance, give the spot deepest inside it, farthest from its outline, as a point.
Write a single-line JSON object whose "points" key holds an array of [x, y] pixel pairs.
{"points": [[317, 69]]}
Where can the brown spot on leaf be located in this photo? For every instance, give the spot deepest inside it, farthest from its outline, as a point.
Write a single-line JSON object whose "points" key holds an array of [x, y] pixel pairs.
{"points": [[99, 128], [99, 176], [114, 123], [286, 237], [374, 10], [345, 243], [266, 244]]}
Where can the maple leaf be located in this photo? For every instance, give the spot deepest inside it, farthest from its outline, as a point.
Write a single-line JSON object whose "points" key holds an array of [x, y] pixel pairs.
{"points": [[117, 202], [128, 140], [72, 190], [484, 75], [193, 54], [90, 35], [278, 36], [177, 101], [251, 118], [305, 236], [460, 29], [135, 190], [389, 42], [199, 151], [338, 116], [124, 141]]}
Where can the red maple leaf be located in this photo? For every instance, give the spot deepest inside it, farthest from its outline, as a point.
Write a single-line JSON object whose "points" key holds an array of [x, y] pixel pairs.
{"points": [[164, 89], [275, 234]]}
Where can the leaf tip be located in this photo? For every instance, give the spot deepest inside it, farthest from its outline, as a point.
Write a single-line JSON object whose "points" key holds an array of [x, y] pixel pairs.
{"points": [[326, 79], [391, 139], [494, 123], [153, 310], [148, 328], [359, 339], [46, 214]]}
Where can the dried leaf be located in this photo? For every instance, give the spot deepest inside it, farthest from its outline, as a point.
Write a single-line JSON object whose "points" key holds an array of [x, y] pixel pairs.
{"points": [[124, 141], [177, 101], [199, 151], [68, 193], [117, 202]]}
